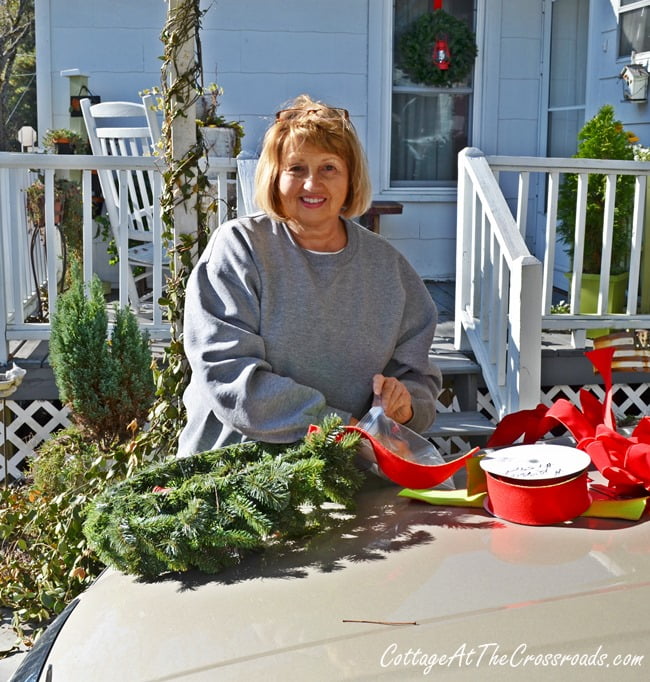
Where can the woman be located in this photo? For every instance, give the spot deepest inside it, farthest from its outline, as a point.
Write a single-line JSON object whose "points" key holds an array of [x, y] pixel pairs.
{"points": [[297, 312]]}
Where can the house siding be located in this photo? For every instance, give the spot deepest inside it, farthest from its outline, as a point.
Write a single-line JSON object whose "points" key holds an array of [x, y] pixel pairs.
{"points": [[264, 52]]}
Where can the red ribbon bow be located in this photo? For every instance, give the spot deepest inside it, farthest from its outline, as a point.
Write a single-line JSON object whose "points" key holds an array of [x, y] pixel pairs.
{"points": [[623, 461]]}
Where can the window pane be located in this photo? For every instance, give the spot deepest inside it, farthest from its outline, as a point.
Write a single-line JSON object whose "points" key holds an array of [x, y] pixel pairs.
{"points": [[408, 11], [568, 71], [428, 132], [634, 34], [563, 129], [429, 125]]}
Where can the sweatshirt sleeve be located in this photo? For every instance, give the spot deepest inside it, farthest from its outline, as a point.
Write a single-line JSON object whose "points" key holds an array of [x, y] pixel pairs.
{"points": [[410, 362], [227, 353]]}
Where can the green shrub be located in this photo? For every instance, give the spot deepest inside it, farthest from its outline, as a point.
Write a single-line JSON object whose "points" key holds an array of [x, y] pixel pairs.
{"points": [[62, 462], [106, 384], [45, 560], [602, 137]]}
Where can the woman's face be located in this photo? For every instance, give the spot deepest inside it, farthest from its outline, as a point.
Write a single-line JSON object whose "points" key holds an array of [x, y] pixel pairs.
{"points": [[313, 186]]}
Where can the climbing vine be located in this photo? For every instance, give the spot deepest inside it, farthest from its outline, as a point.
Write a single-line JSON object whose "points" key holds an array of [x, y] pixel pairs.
{"points": [[45, 560], [184, 186]]}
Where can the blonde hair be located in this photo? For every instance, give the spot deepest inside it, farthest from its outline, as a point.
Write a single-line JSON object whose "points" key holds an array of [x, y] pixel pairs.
{"points": [[306, 121]]}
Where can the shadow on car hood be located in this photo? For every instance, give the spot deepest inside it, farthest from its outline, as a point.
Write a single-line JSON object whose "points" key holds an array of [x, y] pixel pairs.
{"points": [[393, 577]]}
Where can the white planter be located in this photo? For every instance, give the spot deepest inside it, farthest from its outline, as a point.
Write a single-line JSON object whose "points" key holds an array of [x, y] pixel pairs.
{"points": [[219, 141]]}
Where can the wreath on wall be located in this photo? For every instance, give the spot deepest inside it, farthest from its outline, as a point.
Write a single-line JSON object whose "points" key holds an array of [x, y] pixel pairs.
{"points": [[419, 42]]}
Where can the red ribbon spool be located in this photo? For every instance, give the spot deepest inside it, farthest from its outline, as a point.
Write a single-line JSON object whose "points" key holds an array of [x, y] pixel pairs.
{"points": [[538, 505], [538, 484]]}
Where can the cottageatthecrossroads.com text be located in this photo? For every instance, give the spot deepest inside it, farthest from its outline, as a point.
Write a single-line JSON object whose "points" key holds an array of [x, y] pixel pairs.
{"points": [[491, 654]]}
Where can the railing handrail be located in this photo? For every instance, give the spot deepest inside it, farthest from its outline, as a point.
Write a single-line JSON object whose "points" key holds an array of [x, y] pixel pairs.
{"points": [[492, 316], [25, 268], [78, 161], [566, 165], [490, 235], [496, 208]]}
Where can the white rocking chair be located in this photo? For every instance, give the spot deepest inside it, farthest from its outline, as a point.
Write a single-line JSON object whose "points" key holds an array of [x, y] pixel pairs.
{"points": [[128, 129]]}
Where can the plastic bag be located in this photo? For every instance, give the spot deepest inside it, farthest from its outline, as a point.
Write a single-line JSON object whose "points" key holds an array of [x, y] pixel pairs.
{"points": [[400, 440]]}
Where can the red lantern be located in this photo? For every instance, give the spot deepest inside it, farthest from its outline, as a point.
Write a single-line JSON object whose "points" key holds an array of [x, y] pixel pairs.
{"points": [[441, 56]]}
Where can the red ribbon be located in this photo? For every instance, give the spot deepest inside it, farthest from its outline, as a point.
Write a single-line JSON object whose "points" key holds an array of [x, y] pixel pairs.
{"points": [[623, 461], [538, 505], [437, 4], [404, 472]]}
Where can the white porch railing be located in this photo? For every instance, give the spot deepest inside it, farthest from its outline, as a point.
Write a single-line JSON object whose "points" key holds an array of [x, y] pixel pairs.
{"points": [[31, 258], [503, 293]]}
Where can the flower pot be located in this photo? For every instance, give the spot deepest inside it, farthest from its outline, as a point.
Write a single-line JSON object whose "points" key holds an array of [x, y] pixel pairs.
{"points": [[616, 298], [219, 142], [63, 146]]}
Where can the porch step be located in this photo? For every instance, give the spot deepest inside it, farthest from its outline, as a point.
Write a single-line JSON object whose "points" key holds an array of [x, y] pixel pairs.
{"points": [[461, 374], [453, 362], [460, 424]]}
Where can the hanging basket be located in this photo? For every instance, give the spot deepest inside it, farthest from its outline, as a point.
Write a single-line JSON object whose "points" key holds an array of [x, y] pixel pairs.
{"points": [[418, 43], [75, 101]]}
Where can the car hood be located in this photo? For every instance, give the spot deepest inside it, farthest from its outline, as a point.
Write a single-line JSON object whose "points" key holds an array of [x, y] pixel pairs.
{"points": [[399, 589]]}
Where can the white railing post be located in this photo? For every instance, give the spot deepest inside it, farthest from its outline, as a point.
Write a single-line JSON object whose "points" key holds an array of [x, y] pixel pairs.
{"points": [[5, 221], [51, 239], [640, 186], [525, 335], [464, 256]]}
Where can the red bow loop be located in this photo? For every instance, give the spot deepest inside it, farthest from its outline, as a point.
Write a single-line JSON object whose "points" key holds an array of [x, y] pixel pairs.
{"points": [[623, 461]]}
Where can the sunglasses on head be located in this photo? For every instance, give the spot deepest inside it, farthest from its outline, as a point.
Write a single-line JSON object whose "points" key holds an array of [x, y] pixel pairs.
{"points": [[324, 112]]}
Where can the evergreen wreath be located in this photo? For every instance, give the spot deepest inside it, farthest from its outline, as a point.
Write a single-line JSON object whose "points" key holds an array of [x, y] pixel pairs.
{"points": [[417, 43], [207, 510]]}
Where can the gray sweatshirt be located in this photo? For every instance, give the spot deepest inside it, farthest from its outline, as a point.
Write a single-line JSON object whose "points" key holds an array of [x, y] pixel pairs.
{"points": [[279, 337]]}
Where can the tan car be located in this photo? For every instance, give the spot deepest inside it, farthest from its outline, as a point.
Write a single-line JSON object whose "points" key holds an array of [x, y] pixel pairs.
{"points": [[401, 590]]}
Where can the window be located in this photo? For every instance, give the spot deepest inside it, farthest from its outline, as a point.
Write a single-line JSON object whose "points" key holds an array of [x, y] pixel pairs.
{"points": [[429, 125], [567, 76], [634, 27]]}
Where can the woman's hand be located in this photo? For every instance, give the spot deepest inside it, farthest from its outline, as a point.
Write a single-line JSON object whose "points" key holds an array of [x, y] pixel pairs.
{"points": [[394, 397]]}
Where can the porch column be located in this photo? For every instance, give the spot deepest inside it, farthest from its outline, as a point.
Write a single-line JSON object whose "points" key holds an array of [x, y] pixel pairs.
{"points": [[183, 130]]}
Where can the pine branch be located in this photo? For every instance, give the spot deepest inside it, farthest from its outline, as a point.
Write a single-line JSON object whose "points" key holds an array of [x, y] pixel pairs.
{"points": [[216, 506]]}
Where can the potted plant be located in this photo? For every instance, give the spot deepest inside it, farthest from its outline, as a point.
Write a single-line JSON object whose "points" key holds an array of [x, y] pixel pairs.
{"points": [[35, 203], [221, 137], [602, 137], [64, 141]]}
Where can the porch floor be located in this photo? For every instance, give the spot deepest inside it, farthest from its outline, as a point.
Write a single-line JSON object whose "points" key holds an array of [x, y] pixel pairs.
{"points": [[561, 363]]}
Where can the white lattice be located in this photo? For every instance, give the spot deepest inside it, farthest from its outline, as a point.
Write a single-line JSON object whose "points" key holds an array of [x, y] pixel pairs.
{"points": [[627, 400], [26, 424], [448, 402], [31, 423]]}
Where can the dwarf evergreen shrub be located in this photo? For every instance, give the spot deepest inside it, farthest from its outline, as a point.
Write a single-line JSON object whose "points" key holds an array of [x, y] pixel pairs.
{"points": [[602, 137], [106, 383]]}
